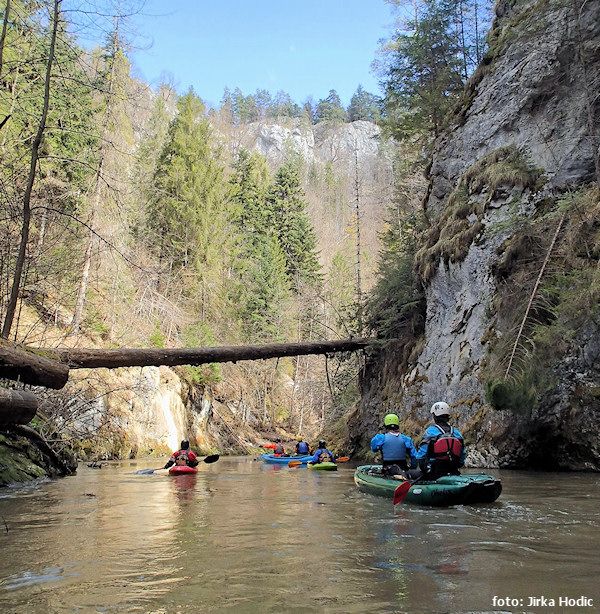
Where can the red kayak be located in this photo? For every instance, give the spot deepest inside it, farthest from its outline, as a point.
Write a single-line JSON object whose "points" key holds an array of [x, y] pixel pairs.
{"points": [[182, 469]]}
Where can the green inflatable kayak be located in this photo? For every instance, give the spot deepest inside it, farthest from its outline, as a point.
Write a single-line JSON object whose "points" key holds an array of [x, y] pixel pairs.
{"points": [[445, 491], [322, 466]]}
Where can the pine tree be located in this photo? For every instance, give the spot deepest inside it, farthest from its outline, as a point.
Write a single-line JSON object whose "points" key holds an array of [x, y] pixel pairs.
{"points": [[260, 287], [363, 106], [292, 227], [330, 109], [187, 214], [426, 72]]}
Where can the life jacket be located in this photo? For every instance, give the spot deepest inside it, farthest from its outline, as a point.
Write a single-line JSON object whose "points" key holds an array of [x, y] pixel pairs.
{"points": [[446, 447], [182, 458], [393, 447], [325, 457], [279, 450], [302, 447]]}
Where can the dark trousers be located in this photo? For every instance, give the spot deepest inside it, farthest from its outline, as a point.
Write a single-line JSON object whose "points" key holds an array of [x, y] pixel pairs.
{"points": [[398, 467]]}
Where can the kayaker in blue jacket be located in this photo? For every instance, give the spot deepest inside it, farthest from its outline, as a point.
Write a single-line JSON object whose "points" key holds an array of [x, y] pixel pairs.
{"points": [[322, 454], [442, 449], [302, 447], [398, 453]]}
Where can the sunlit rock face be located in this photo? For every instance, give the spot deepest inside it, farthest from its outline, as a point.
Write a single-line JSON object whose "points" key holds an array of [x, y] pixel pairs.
{"points": [[534, 96], [164, 411], [159, 415], [321, 143]]}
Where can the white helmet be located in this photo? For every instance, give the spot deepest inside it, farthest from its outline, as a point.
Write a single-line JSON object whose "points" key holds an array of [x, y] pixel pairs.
{"points": [[440, 409]]}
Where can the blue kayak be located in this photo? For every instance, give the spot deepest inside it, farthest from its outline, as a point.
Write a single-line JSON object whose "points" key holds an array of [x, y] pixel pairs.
{"points": [[284, 460]]}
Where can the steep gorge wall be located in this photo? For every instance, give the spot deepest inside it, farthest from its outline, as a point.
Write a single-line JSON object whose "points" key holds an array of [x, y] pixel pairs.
{"points": [[525, 142]]}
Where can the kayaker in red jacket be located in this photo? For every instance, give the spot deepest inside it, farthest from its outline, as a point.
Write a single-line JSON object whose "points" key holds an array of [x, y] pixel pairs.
{"points": [[183, 456]]}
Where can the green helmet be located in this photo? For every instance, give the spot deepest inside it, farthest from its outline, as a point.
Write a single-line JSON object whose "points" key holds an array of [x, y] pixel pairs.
{"points": [[391, 419]]}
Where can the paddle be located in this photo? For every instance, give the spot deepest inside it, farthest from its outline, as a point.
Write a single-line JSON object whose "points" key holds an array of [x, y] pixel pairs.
{"points": [[342, 459], [401, 492], [213, 458]]}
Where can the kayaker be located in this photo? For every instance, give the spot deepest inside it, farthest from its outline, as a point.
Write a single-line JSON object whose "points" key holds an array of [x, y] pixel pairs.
{"points": [[442, 449], [398, 452], [183, 456], [279, 449], [322, 454], [302, 447]]}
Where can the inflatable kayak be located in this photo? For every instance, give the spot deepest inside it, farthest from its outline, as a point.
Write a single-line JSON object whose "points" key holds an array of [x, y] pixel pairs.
{"points": [[445, 491], [284, 460], [182, 470], [322, 466]]}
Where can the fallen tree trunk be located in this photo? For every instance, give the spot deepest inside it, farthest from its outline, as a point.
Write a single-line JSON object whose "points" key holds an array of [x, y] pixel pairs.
{"points": [[17, 406], [145, 357], [30, 368]]}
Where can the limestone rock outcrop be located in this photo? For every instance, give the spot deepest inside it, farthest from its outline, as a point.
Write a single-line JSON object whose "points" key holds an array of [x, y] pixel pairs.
{"points": [[536, 94]]}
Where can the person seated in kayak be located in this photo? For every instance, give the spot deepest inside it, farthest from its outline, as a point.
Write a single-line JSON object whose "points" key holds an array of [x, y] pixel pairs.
{"points": [[442, 449], [302, 448], [398, 453], [183, 456], [279, 449], [322, 454]]}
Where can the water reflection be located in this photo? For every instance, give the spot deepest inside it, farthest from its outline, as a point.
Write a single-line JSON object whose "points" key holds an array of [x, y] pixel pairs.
{"points": [[184, 486], [242, 536]]}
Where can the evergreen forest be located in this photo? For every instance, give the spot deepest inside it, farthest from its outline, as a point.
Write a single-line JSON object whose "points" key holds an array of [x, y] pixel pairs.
{"points": [[134, 217]]}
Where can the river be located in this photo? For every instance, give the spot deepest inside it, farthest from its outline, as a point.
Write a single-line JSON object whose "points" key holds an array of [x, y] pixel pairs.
{"points": [[245, 537]]}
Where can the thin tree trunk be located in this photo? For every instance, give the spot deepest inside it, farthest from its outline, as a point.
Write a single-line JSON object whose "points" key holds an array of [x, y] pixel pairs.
{"points": [[87, 262], [477, 51], [20, 262], [12, 106], [42, 236], [83, 282], [3, 35], [358, 262], [534, 292], [463, 45]]}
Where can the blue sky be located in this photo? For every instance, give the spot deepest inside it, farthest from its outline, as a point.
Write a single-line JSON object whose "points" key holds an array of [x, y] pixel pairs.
{"points": [[302, 47]]}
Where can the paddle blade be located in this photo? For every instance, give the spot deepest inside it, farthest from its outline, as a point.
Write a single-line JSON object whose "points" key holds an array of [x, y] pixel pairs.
{"points": [[146, 471], [213, 458], [342, 459], [401, 492], [294, 463]]}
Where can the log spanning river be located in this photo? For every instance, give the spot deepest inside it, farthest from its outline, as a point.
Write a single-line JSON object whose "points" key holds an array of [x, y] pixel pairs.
{"points": [[241, 536]]}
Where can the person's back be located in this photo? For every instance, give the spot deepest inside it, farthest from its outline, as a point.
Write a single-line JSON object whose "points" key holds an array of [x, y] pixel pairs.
{"points": [[322, 454], [398, 452], [183, 457], [442, 449], [302, 447], [279, 449]]}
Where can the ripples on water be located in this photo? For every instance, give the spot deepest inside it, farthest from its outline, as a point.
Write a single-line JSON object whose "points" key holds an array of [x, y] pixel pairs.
{"points": [[242, 536]]}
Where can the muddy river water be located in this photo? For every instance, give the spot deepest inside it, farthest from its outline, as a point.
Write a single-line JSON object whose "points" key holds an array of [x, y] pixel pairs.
{"points": [[243, 536]]}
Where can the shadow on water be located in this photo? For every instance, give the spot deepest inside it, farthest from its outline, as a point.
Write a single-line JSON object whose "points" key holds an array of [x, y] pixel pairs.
{"points": [[244, 536]]}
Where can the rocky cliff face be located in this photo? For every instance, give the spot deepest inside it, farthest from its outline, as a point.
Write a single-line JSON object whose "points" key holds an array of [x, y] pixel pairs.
{"points": [[502, 182], [537, 91], [324, 142], [341, 163]]}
